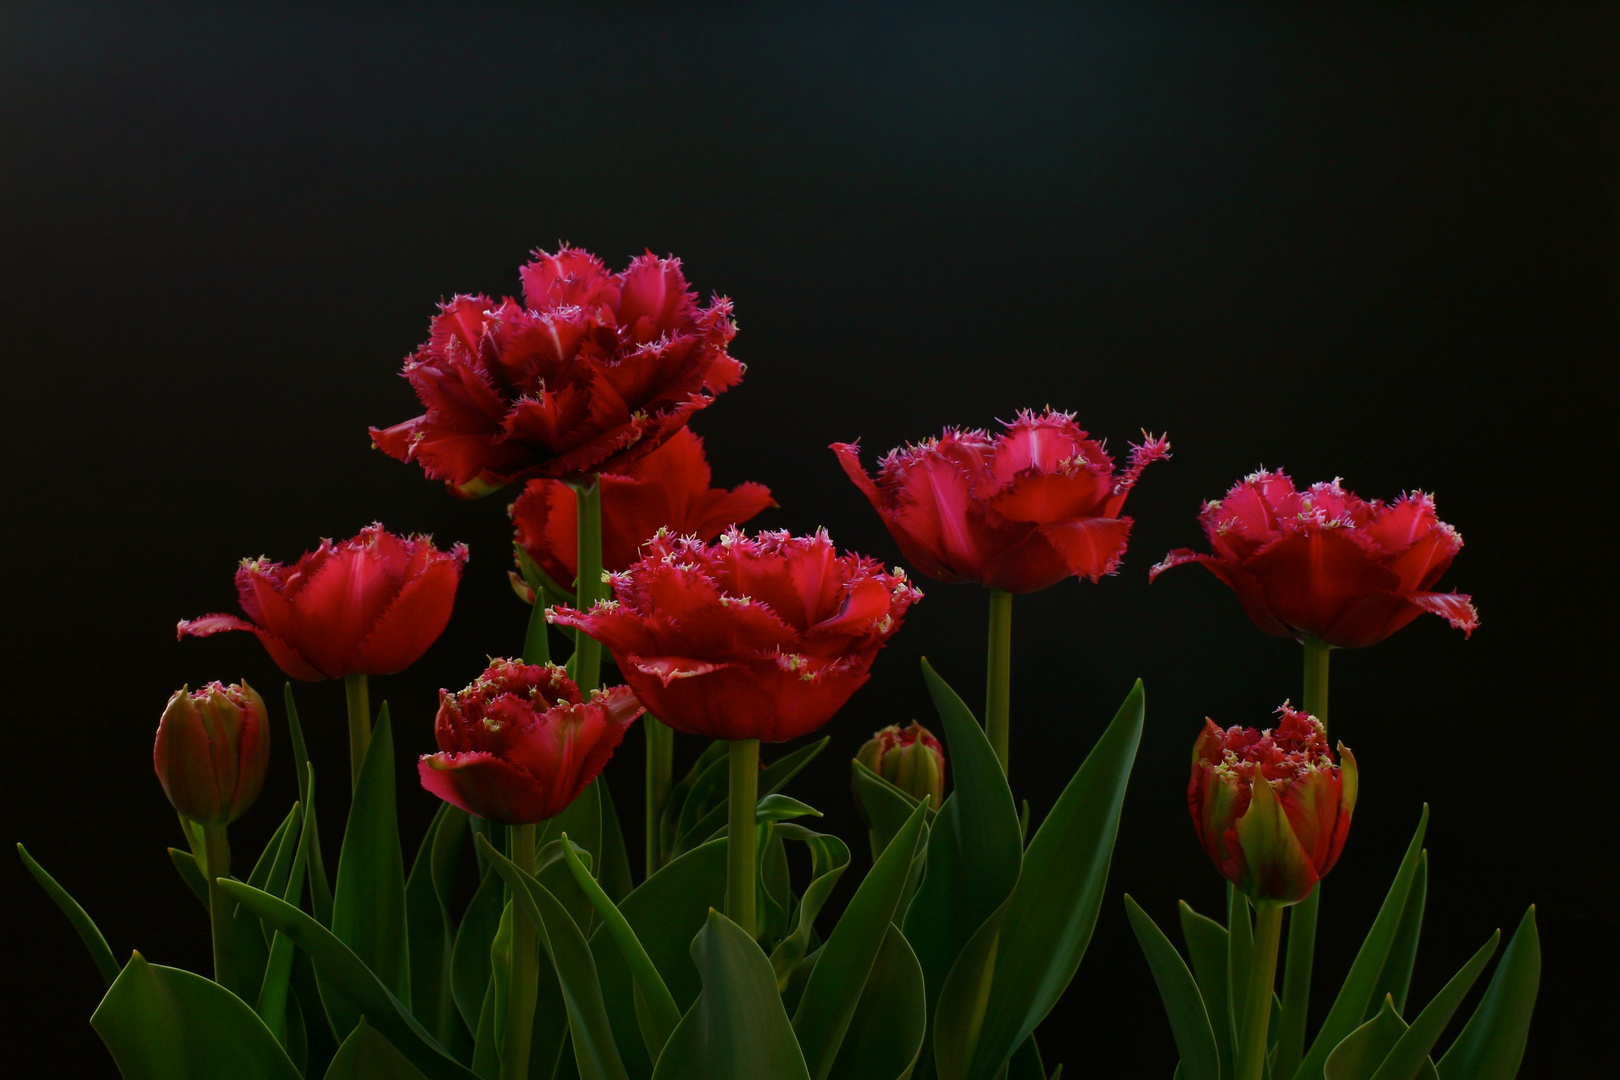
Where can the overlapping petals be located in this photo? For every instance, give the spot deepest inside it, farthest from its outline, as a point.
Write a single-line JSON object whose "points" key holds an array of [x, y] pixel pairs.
{"points": [[1019, 511], [750, 637], [520, 743], [1323, 561], [667, 489], [212, 750], [367, 606], [592, 371], [1270, 807]]}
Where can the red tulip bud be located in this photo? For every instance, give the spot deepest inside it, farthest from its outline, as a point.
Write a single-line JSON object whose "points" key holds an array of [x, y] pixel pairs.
{"points": [[212, 749], [909, 758], [1271, 808]]}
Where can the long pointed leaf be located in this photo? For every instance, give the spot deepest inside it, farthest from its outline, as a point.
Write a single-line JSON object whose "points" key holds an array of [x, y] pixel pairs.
{"points": [[885, 1037], [1359, 1053], [366, 1055], [1491, 1044], [428, 923], [469, 958], [185, 864], [86, 927], [1397, 974], [1183, 1004], [1206, 944], [1412, 1049]]}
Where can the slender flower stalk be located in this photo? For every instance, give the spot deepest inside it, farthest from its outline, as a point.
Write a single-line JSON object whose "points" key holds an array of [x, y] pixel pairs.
{"points": [[220, 906], [744, 793], [998, 675], [524, 979], [358, 692], [660, 766], [1251, 1050]]}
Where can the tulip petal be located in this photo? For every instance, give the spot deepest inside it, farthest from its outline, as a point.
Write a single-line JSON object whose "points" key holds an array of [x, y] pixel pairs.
{"points": [[1456, 608], [207, 625], [1091, 547], [1276, 865]]}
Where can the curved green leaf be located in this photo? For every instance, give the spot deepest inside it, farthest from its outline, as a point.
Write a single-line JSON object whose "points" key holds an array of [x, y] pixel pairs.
{"points": [[737, 1028], [185, 864], [829, 858], [1412, 1049], [469, 958], [1358, 1055], [1207, 946], [675, 805], [885, 1036], [428, 922], [885, 807], [1351, 1004], [320, 890], [1183, 1004], [1491, 1044], [834, 990], [1026, 1063], [355, 982], [1396, 977], [613, 871], [88, 932], [772, 778], [161, 1023], [366, 1055]]}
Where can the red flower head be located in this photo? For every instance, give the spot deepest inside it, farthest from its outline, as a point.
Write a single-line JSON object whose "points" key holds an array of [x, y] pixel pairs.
{"points": [[667, 489], [591, 371], [212, 749], [746, 638], [1324, 562], [909, 758], [367, 606], [520, 744], [1274, 840], [1019, 512]]}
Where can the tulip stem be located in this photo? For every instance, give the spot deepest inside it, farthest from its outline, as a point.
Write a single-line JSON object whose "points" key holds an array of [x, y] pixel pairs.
{"points": [[660, 766], [1316, 677], [524, 979], [998, 674], [1296, 993], [358, 692], [588, 586], [1251, 1055], [744, 793], [218, 848]]}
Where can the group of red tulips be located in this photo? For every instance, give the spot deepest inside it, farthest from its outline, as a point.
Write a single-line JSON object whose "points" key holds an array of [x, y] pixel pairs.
{"points": [[581, 393]]}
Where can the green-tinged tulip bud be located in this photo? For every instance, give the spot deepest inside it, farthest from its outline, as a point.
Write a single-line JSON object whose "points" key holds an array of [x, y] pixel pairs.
{"points": [[211, 751], [909, 758]]}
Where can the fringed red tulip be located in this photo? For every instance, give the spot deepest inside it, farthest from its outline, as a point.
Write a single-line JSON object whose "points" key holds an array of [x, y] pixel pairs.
{"points": [[367, 606], [1326, 563], [1270, 807], [1019, 511], [748, 638], [591, 371], [212, 749], [667, 489], [909, 758], [520, 744]]}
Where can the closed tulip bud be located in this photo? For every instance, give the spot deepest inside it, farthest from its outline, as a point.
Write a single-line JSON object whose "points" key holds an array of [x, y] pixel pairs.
{"points": [[1270, 807], [212, 748], [909, 758]]}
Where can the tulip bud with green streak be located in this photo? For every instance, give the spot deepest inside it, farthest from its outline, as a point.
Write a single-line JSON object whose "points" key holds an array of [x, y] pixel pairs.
{"points": [[211, 752], [909, 758]]}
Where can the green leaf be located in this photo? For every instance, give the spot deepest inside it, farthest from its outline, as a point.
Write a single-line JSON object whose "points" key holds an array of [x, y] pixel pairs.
{"points": [[772, 779], [669, 828], [366, 1055], [1411, 1051], [582, 820], [469, 959], [665, 912], [1351, 1004], [1397, 974], [592, 1034], [613, 871], [1026, 1063], [835, 986], [269, 873], [1239, 945], [1025, 960], [974, 846], [100, 952], [428, 922], [185, 864], [885, 807], [272, 998], [829, 858], [1492, 1042], [1357, 1057], [354, 981], [161, 1023], [1207, 944], [885, 1036], [781, 808], [368, 909], [1183, 1004], [737, 1028], [320, 890]]}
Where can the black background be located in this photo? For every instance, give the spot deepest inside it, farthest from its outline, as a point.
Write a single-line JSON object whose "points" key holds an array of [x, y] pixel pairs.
{"points": [[1358, 241]]}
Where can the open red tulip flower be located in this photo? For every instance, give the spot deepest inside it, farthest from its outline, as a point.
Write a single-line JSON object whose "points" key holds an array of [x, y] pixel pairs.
{"points": [[520, 743], [1018, 511], [1327, 563], [590, 371], [1270, 807], [749, 637], [667, 489], [367, 606]]}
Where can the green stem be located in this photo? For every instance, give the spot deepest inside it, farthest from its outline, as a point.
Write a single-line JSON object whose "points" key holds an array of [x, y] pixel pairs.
{"points": [[358, 693], [744, 793], [1296, 995], [1316, 677], [998, 674], [588, 586], [660, 766], [524, 978], [1251, 1049], [219, 906], [536, 645]]}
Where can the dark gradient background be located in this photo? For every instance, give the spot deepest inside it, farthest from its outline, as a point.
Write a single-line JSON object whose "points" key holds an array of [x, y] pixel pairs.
{"points": [[1354, 241]]}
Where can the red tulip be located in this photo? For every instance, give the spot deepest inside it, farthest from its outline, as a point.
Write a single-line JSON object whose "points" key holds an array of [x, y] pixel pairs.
{"points": [[1018, 511], [592, 371], [520, 744], [667, 489], [212, 749], [1324, 562], [1274, 840], [747, 638], [909, 758], [367, 606]]}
